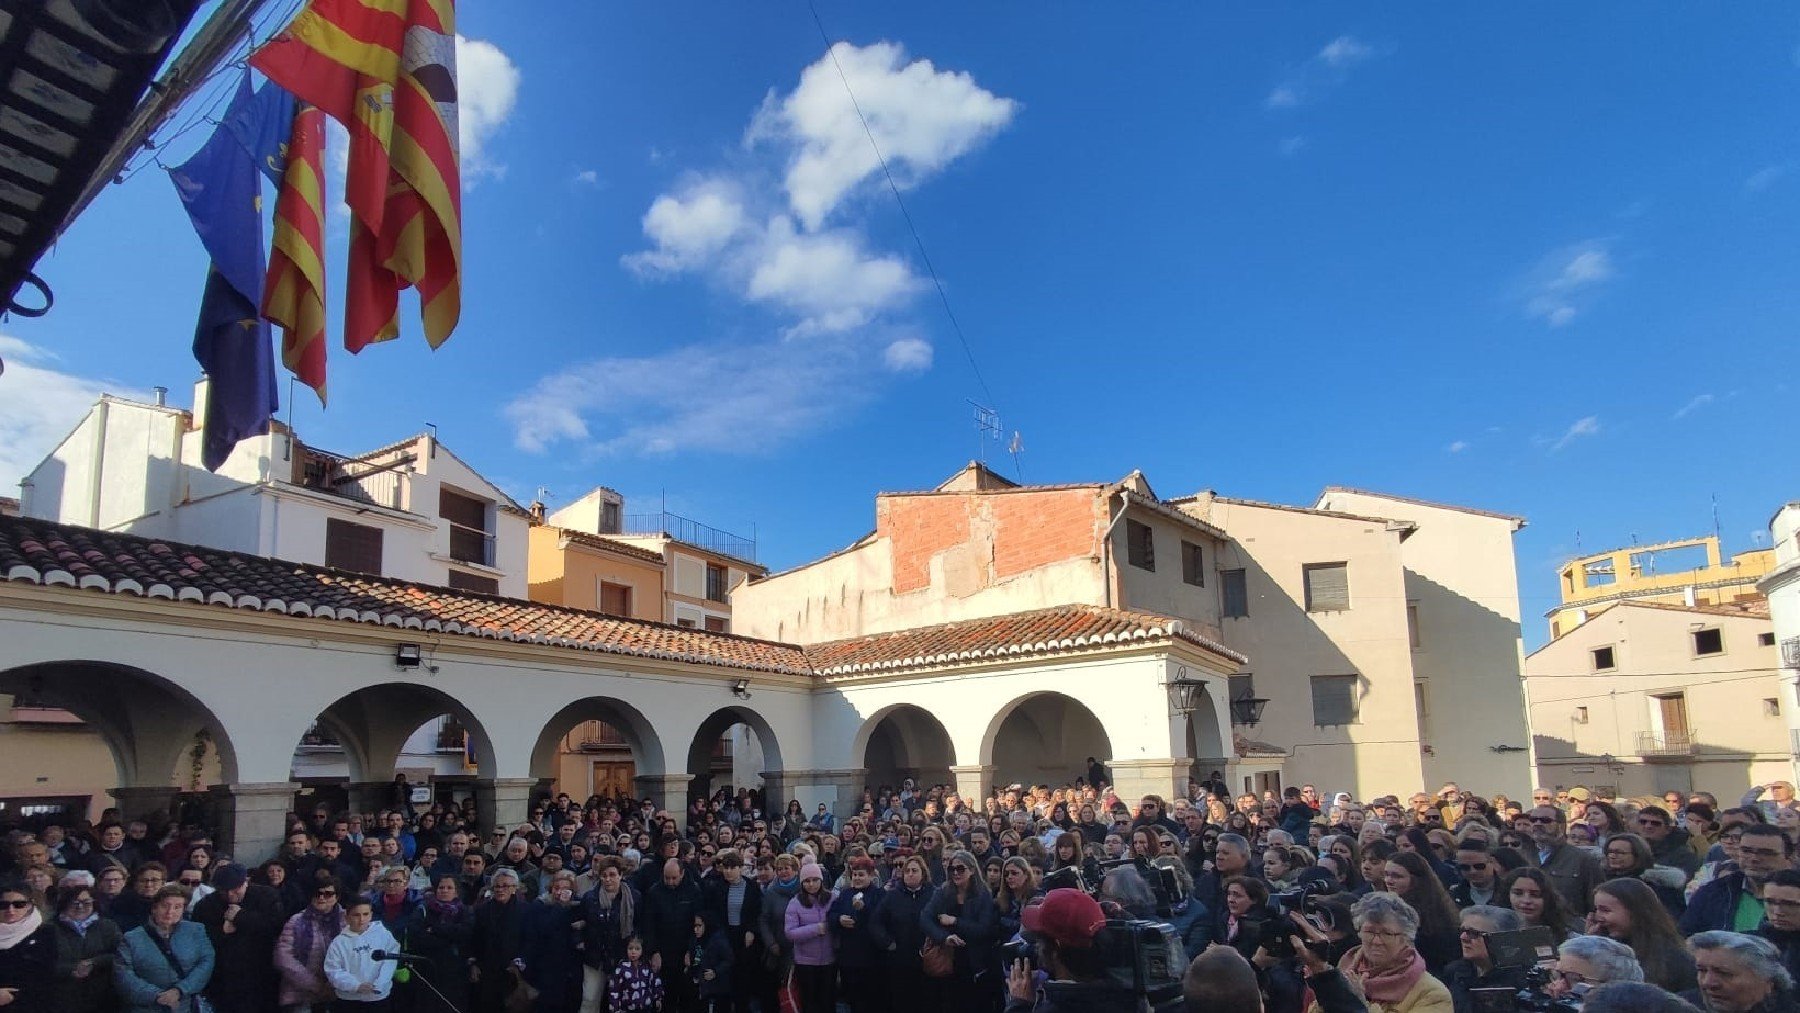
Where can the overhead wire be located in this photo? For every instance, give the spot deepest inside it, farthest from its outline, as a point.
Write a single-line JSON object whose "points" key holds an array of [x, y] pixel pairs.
{"points": [[887, 173]]}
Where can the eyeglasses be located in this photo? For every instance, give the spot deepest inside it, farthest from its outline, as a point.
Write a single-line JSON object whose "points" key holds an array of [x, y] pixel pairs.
{"points": [[1469, 933], [1574, 978], [1541, 821], [954, 869], [184, 881], [1471, 866], [1369, 935], [16, 905], [83, 902], [1760, 852]]}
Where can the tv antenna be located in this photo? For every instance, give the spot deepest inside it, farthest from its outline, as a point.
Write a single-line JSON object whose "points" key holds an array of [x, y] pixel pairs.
{"points": [[987, 427]]}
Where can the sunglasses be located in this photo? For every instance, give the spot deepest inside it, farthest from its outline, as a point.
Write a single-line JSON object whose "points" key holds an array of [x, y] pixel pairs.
{"points": [[1541, 821], [1471, 866], [325, 893], [16, 905], [1469, 933]]}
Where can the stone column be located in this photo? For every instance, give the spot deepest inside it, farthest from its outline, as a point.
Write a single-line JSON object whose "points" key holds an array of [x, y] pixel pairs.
{"points": [[1133, 779], [843, 789], [502, 802], [370, 797], [973, 784], [143, 802], [668, 791], [777, 788], [253, 818]]}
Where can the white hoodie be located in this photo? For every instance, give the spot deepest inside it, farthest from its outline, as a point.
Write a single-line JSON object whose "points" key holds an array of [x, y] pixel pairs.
{"points": [[348, 963]]}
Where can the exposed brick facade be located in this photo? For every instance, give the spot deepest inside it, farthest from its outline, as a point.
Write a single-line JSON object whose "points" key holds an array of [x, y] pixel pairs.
{"points": [[1033, 529], [1015, 532], [918, 528]]}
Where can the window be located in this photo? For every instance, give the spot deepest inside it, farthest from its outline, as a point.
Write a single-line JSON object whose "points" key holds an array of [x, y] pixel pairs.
{"points": [[1765, 640], [353, 547], [718, 582], [1327, 587], [1193, 564], [686, 624], [1581, 715], [1334, 700], [609, 518], [1603, 659], [1709, 642], [470, 582], [718, 624], [1234, 589], [615, 599], [1412, 624], [470, 541], [1140, 550], [1771, 707]]}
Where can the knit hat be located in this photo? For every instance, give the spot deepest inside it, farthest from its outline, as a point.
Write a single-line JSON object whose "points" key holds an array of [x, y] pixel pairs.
{"points": [[811, 870], [230, 877]]}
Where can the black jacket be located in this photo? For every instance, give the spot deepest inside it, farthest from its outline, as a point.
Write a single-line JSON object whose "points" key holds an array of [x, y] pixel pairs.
{"points": [[29, 966], [244, 970], [443, 940], [94, 993], [715, 897], [666, 919], [856, 945], [897, 929], [496, 940], [1789, 945], [1461, 976], [977, 925]]}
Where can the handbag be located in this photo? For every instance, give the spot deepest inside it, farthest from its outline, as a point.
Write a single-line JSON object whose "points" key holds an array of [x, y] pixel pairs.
{"points": [[522, 996], [790, 994], [937, 959], [198, 1003]]}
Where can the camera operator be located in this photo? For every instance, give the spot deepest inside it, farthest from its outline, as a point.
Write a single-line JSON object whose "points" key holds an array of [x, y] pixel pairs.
{"points": [[1062, 927], [1587, 962], [1296, 942], [1476, 968]]}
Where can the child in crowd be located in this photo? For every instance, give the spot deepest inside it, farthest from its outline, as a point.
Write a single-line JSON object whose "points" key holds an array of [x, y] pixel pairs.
{"points": [[350, 965], [708, 963], [634, 987]]}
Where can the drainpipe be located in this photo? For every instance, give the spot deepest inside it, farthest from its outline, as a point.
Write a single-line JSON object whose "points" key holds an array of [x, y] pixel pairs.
{"points": [[102, 412], [1106, 546]]}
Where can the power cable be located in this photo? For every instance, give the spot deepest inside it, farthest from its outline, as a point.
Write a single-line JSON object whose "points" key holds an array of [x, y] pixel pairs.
{"points": [[955, 325]]}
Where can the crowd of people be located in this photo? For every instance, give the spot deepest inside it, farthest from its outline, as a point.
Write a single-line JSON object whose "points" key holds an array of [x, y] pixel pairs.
{"points": [[920, 900]]}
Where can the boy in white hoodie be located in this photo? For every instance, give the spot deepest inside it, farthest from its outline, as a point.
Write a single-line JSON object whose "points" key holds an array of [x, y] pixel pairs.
{"points": [[350, 966]]}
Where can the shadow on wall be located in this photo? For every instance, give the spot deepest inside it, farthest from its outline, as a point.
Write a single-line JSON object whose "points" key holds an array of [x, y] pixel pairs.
{"points": [[1469, 657], [1046, 739], [1718, 768], [908, 742]]}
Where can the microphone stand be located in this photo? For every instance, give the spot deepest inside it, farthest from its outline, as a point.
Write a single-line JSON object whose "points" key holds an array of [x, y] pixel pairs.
{"points": [[423, 980]]}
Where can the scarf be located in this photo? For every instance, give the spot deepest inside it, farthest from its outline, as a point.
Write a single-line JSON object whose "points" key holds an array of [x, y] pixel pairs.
{"points": [[312, 924], [81, 927], [17, 932], [445, 908], [623, 904], [1388, 986]]}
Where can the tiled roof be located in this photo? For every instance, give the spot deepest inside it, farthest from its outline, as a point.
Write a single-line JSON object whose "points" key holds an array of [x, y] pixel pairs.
{"points": [[1758, 609], [610, 545], [1353, 491], [41, 552], [1063, 629]]}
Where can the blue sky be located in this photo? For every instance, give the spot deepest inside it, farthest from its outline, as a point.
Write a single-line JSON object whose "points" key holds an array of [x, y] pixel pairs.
{"points": [[1531, 258]]}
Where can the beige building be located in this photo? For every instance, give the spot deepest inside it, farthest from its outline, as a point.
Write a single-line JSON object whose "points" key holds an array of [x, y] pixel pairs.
{"points": [[1782, 587], [1336, 614], [1645, 697], [1688, 571]]}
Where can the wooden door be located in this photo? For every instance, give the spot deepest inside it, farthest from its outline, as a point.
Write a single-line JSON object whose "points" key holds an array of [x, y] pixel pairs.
{"points": [[1674, 718], [614, 780]]}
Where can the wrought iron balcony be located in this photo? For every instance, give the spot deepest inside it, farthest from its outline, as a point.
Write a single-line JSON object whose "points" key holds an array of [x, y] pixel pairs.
{"points": [[1671, 744], [691, 531]]}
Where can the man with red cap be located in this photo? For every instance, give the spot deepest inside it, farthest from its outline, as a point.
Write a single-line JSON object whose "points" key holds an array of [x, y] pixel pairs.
{"points": [[1063, 926]]}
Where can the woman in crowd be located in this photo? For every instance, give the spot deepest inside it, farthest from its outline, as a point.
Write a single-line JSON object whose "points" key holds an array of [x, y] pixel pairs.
{"points": [[1385, 962], [1528, 891], [1409, 877], [1628, 910], [807, 925], [548, 938], [439, 935], [85, 942], [110, 882], [1246, 910], [27, 951], [300, 951], [898, 929], [1375, 857], [1475, 968], [961, 915], [1604, 821], [1628, 856], [1018, 885], [132, 908], [163, 965], [1280, 867], [1417, 841]]}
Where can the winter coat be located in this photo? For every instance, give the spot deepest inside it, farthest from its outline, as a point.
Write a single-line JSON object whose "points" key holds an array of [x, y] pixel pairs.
{"points": [[396, 922], [1677, 851], [442, 940], [666, 918], [856, 945], [775, 899], [244, 972], [552, 963], [1714, 906], [715, 897], [808, 930], [30, 966], [633, 988], [1574, 872], [350, 963], [94, 993], [603, 941], [141, 972], [977, 922], [711, 953], [898, 928], [1462, 976], [302, 975]]}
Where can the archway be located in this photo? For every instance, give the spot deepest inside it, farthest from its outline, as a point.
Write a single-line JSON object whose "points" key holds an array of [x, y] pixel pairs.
{"points": [[84, 731], [596, 746], [905, 741], [731, 748], [348, 758], [1044, 738], [1207, 744]]}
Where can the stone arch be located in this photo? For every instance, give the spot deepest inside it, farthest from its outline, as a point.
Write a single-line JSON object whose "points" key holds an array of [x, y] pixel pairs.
{"points": [[1043, 738], [1208, 738], [904, 740], [148, 722], [700, 748], [640, 737], [374, 722]]}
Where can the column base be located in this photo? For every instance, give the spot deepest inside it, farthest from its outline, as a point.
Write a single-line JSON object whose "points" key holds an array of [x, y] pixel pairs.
{"points": [[150, 804], [503, 801], [973, 783], [666, 791], [253, 818]]}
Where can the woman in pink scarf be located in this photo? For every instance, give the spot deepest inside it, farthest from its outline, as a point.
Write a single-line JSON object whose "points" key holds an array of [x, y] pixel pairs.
{"points": [[1385, 968]]}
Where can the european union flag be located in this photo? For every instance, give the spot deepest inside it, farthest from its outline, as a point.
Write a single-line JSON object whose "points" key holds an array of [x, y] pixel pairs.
{"points": [[222, 191]]}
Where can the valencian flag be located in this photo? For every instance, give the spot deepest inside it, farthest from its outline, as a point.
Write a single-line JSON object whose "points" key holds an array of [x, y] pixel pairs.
{"points": [[222, 193], [294, 292], [386, 69]]}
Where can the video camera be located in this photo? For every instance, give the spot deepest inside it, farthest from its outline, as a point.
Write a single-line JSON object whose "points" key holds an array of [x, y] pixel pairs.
{"points": [[1141, 957], [1528, 948], [1277, 932]]}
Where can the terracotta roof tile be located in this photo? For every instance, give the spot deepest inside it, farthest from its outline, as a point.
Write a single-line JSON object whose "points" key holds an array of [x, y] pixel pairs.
{"points": [[609, 545], [1758, 609], [1061, 629], [41, 552]]}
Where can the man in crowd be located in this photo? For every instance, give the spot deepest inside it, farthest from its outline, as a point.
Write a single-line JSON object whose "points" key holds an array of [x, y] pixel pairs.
{"points": [[1574, 871], [1669, 844], [242, 920], [1733, 902], [1480, 874]]}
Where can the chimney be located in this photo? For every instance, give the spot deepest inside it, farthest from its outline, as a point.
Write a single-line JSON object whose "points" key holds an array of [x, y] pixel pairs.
{"points": [[537, 511], [162, 396], [202, 393]]}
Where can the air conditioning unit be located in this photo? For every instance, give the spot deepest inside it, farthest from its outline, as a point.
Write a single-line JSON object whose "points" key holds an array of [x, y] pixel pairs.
{"points": [[1790, 652]]}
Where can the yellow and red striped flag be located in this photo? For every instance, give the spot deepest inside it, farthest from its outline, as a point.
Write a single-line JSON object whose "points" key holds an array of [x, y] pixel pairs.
{"points": [[294, 293], [386, 69]]}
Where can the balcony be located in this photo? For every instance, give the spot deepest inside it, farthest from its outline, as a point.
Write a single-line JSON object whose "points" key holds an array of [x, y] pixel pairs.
{"points": [[451, 736], [1667, 745], [383, 485], [691, 531], [471, 545]]}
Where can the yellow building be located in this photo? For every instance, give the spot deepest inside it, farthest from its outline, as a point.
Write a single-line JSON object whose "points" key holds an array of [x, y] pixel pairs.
{"points": [[1689, 572]]}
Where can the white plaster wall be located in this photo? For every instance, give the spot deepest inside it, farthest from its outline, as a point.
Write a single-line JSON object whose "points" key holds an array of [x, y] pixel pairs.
{"points": [[1783, 589], [1163, 590], [688, 576]]}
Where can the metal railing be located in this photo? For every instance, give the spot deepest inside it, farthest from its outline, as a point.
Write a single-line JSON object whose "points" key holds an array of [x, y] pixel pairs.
{"points": [[471, 545], [354, 479], [1669, 743], [691, 531]]}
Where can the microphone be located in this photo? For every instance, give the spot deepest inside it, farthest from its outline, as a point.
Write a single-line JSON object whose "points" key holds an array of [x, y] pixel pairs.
{"points": [[402, 958]]}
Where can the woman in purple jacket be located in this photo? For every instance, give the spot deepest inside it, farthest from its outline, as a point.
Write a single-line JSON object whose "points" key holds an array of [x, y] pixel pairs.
{"points": [[808, 930]]}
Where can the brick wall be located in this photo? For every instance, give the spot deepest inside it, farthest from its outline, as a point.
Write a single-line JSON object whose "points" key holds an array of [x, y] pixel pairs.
{"points": [[1017, 531], [918, 528], [1038, 528]]}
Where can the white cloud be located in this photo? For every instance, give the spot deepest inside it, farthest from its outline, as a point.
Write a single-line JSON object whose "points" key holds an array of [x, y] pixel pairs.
{"points": [[1588, 425], [487, 85], [1764, 178], [588, 177], [689, 228], [826, 278], [735, 399], [1290, 146], [1457, 446], [1694, 404], [922, 118], [1563, 282], [39, 405], [1323, 71], [908, 355]]}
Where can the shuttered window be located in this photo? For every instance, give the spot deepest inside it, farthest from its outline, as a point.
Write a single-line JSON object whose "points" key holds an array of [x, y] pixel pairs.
{"points": [[615, 599], [1139, 548], [715, 624], [1234, 588], [718, 580], [1193, 564], [351, 546], [1334, 699], [470, 582], [470, 540], [1327, 587]]}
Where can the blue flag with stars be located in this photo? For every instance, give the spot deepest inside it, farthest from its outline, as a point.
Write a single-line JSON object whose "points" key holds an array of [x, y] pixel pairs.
{"points": [[221, 188]]}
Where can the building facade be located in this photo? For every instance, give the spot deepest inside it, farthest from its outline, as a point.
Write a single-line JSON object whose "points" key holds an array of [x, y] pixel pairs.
{"points": [[1782, 587], [1646, 697], [1689, 571]]}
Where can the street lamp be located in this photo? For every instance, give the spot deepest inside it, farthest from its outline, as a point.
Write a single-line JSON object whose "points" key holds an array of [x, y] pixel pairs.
{"points": [[1247, 710], [1186, 694]]}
